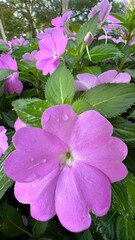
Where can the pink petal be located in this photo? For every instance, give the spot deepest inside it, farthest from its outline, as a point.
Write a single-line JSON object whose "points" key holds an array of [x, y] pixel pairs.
{"points": [[95, 187], [90, 124], [40, 64], [19, 124], [38, 152], [55, 22], [43, 55], [60, 41], [71, 208], [87, 80], [60, 121], [104, 153], [47, 44], [107, 76], [122, 78]]}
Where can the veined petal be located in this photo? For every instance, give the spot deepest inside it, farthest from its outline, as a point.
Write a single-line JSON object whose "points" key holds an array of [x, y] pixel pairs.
{"points": [[107, 77]]}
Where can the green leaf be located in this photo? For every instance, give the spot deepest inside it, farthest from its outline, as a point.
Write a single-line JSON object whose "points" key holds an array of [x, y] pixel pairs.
{"points": [[130, 184], [130, 71], [119, 16], [39, 229], [81, 105], [123, 129], [111, 99], [130, 160], [120, 201], [132, 115], [5, 73], [125, 228], [5, 181], [30, 110], [95, 70], [103, 52], [3, 47], [11, 223], [86, 235], [59, 86], [89, 26]]}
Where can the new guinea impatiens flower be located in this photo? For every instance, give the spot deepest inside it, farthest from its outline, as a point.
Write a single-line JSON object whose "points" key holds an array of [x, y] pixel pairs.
{"points": [[19, 42], [51, 48], [29, 57], [67, 167], [86, 80], [13, 84], [103, 8], [3, 140]]}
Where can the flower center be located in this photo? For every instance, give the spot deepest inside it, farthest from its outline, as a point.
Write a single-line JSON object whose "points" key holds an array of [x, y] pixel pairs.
{"points": [[55, 55], [67, 160]]}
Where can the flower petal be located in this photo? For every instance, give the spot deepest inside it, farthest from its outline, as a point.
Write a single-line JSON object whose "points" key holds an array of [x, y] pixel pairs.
{"points": [[71, 209], [90, 124], [107, 76], [40, 194], [122, 78], [38, 152], [105, 154], [95, 187], [60, 121]]}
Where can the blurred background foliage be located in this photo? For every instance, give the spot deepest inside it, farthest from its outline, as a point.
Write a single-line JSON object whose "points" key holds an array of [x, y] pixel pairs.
{"points": [[28, 17]]}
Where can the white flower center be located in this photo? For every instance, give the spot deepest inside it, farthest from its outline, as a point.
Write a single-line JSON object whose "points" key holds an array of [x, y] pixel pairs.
{"points": [[67, 160]]}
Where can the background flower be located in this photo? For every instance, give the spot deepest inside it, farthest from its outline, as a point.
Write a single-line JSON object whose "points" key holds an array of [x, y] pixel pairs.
{"points": [[3, 140]]}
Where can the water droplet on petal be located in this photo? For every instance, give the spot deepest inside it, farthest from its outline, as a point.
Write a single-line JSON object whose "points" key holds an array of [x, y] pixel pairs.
{"points": [[65, 117], [57, 119], [43, 160], [46, 118], [32, 159]]}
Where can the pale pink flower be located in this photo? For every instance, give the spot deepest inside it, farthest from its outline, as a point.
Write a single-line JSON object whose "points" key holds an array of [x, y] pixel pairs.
{"points": [[3, 140], [86, 80], [67, 167], [29, 57], [103, 8], [51, 48], [19, 42], [19, 124], [13, 84]]}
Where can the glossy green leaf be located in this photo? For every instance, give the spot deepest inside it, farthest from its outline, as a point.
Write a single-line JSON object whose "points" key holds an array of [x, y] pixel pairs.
{"points": [[5, 73], [5, 181], [130, 184], [123, 129], [39, 229], [95, 70], [111, 99], [30, 110], [81, 105], [59, 86], [125, 228], [89, 26], [103, 52], [3, 47], [119, 16]]}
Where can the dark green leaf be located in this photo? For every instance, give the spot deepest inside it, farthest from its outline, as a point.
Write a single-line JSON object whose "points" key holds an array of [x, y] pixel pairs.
{"points": [[132, 115], [119, 16], [30, 110], [130, 184], [5, 73], [123, 129], [86, 235], [95, 70], [103, 52], [130, 71], [59, 86], [111, 99], [5, 181], [125, 228], [39, 229]]}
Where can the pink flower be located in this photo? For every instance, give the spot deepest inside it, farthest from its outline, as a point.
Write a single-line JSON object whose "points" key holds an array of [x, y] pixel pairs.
{"points": [[116, 40], [88, 38], [87, 81], [19, 124], [29, 57], [51, 48], [3, 140], [67, 167], [19, 42], [112, 25], [103, 8], [13, 84], [58, 22]]}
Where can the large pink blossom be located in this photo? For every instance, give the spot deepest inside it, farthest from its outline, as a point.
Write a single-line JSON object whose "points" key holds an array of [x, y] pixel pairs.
{"points": [[67, 167], [51, 48], [103, 8], [86, 80], [3, 140], [13, 84]]}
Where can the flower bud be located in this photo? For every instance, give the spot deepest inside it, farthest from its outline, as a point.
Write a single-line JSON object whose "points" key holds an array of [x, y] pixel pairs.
{"points": [[88, 38]]}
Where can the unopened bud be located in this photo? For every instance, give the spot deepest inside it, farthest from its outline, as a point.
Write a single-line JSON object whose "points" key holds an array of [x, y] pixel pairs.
{"points": [[88, 38]]}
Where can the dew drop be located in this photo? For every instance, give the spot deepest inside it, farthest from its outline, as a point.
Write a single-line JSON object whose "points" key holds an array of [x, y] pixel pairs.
{"points": [[65, 117], [57, 119], [43, 160], [32, 159], [46, 118]]}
